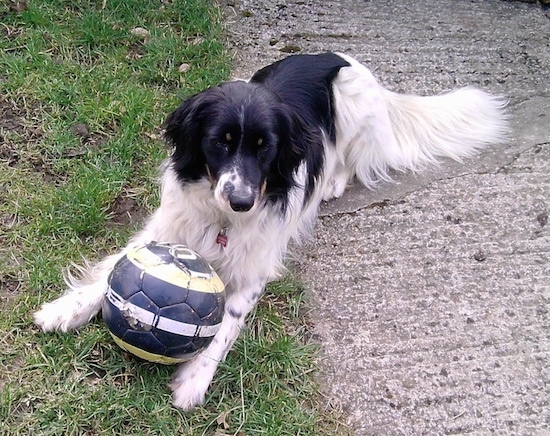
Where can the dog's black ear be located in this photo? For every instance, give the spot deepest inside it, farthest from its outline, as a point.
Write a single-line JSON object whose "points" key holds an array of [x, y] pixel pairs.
{"points": [[184, 131], [292, 137], [298, 144]]}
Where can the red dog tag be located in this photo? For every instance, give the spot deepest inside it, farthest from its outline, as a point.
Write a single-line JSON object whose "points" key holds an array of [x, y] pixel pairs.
{"points": [[222, 238]]}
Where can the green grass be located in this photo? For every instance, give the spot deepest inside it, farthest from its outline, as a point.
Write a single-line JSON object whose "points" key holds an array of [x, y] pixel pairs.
{"points": [[64, 65]]}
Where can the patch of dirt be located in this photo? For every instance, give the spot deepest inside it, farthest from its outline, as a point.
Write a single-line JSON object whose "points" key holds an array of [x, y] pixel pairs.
{"points": [[10, 116], [8, 154], [12, 367], [14, 123], [89, 140], [10, 33], [125, 210], [19, 135], [11, 288], [136, 50]]}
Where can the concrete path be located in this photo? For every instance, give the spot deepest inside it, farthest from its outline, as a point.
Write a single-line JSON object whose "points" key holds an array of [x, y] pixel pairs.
{"points": [[431, 296]]}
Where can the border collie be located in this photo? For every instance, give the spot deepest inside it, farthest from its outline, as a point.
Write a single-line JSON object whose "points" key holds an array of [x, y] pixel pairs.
{"points": [[251, 162]]}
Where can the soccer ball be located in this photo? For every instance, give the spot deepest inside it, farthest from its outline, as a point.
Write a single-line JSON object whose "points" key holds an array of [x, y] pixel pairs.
{"points": [[164, 303]]}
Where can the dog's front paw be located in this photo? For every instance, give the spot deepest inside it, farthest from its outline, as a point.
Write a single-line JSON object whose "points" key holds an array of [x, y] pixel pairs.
{"points": [[336, 183], [50, 318], [63, 314], [190, 384], [336, 187], [69, 311]]}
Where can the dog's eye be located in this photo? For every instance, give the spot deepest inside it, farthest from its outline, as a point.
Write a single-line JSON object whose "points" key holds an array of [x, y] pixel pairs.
{"points": [[222, 143], [262, 144], [222, 146]]}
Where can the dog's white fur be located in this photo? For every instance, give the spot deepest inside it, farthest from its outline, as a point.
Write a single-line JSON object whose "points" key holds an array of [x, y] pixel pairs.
{"points": [[376, 130]]}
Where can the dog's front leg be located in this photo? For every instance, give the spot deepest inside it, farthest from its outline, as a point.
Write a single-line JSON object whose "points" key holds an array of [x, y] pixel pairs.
{"points": [[191, 380], [81, 302]]}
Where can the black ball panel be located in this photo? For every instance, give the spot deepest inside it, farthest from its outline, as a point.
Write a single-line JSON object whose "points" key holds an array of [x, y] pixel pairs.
{"points": [[126, 278], [181, 312], [216, 314], [166, 294], [111, 315], [146, 341], [203, 304], [177, 345]]}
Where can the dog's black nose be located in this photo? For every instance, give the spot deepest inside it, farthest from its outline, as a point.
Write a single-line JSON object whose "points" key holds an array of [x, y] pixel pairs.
{"points": [[241, 204]]}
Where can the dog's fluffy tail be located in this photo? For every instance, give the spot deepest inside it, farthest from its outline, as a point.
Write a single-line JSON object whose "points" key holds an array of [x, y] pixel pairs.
{"points": [[453, 125], [407, 132]]}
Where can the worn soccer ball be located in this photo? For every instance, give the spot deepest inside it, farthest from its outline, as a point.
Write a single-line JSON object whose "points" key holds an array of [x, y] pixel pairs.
{"points": [[164, 303]]}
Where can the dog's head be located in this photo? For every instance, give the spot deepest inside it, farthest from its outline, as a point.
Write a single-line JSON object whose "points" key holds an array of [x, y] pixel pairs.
{"points": [[242, 138]]}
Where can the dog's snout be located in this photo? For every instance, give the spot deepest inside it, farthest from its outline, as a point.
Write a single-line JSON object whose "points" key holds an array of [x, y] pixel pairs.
{"points": [[240, 203], [236, 191]]}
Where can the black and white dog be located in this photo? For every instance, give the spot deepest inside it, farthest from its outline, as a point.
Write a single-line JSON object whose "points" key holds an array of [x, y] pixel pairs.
{"points": [[251, 163]]}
